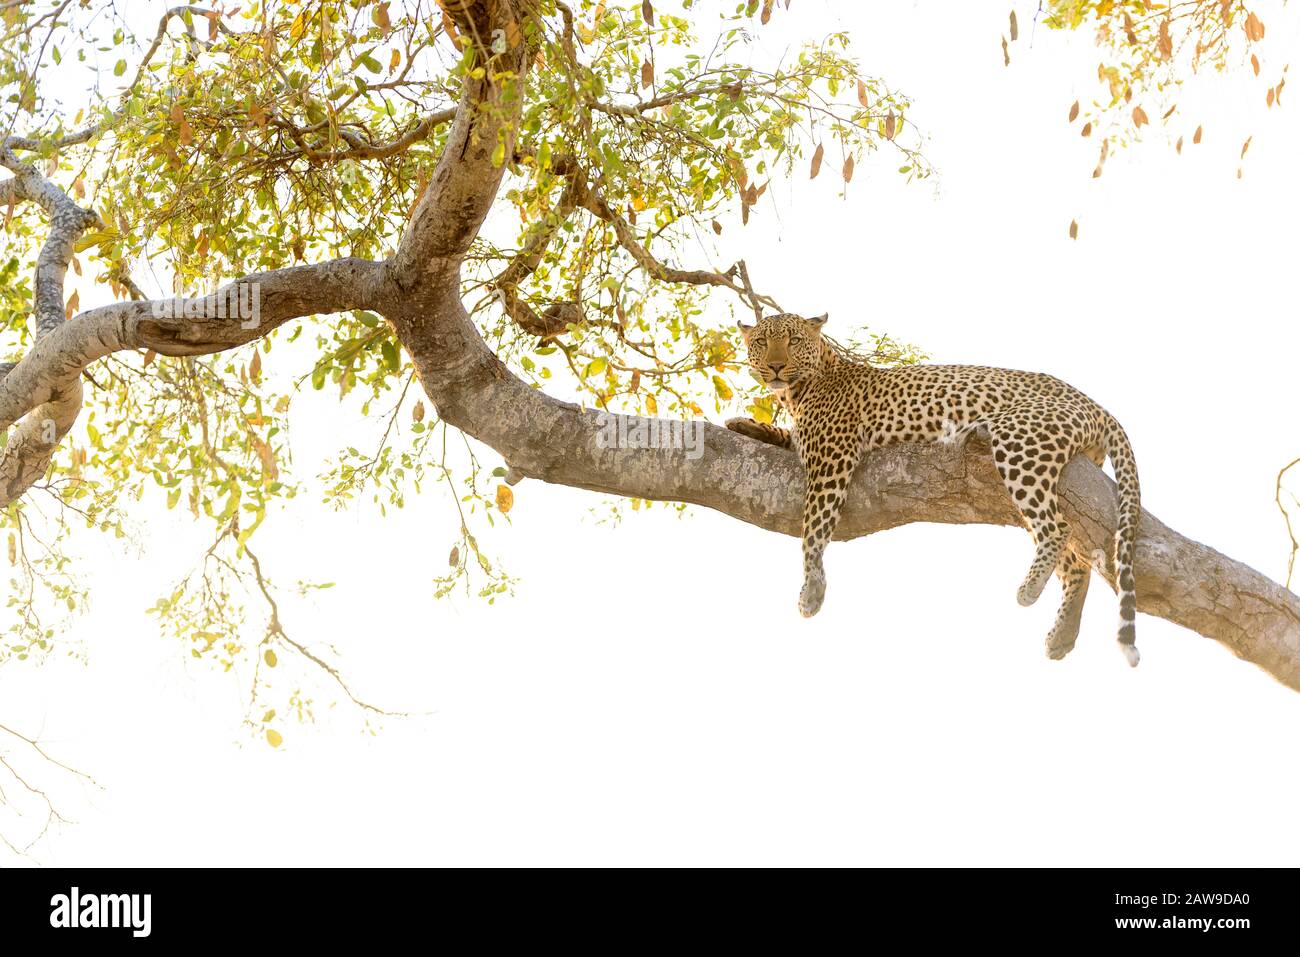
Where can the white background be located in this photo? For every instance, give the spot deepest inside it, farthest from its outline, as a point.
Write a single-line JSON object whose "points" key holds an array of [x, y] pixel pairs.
{"points": [[651, 695]]}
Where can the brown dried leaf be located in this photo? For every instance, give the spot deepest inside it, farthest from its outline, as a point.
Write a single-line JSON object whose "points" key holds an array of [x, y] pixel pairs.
{"points": [[848, 169], [1087, 130], [1015, 27], [417, 413], [1254, 28], [1006, 57], [1254, 63], [648, 12], [1245, 146], [1139, 117], [1196, 137], [717, 227], [817, 161], [1074, 111], [1074, 229], [891, 125], [647, 74], [862, 94], [74, 303], [264, 452], [1178, 147], [1164, 43]]}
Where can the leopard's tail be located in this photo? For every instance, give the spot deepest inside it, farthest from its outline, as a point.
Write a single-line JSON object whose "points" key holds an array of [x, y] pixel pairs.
{"points": [[1126, 530]]}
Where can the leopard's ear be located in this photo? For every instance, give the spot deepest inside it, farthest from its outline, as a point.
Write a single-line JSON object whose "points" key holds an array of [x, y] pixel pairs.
{"points": [[744, 330], [819, 321]]}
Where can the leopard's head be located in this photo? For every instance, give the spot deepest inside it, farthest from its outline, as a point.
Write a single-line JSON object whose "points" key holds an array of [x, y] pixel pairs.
{"points": [[784, 348]]}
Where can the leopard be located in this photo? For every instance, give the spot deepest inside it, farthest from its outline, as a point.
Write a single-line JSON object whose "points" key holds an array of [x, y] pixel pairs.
{"points": [[843, 408]]}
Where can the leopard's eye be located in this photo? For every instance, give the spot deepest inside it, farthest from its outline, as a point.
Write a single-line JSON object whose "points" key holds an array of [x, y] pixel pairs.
{"points": [[795, 340], [760, 342]]}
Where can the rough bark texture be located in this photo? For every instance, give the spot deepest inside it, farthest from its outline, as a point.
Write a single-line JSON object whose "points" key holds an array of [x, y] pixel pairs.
{"points": [[418, 291]]}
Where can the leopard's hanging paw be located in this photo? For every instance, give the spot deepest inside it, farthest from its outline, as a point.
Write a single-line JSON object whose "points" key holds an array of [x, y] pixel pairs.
{"points": [[812, 593]]}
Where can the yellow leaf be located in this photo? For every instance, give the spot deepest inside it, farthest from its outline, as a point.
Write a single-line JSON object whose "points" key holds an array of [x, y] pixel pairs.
{"points": [[721, 388], [270, 658], [651, 405], [74, 303], [505, 498], [274, 738]]}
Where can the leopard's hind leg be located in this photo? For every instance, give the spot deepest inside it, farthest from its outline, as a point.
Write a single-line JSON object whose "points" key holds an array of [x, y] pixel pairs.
{"points": [[1030, 466], [1074, 574]]}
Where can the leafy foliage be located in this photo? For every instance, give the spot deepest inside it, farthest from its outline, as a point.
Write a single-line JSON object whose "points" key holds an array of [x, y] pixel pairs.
{"points": [[219, 144]]}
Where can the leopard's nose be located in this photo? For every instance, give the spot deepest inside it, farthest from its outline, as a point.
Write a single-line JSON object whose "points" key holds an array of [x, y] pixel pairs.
{"points": [[776, 368]]}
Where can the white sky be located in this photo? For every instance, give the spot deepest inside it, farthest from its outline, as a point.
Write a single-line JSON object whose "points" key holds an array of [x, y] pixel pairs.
{"points": [[651, 695]]}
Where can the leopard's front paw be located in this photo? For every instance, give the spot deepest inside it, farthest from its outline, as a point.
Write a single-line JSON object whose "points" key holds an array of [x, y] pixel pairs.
{"points": [[747, 427], [812, 593]]}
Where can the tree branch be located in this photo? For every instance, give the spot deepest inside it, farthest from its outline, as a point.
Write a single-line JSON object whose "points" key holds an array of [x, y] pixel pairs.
{"points": [[41, 386]]}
